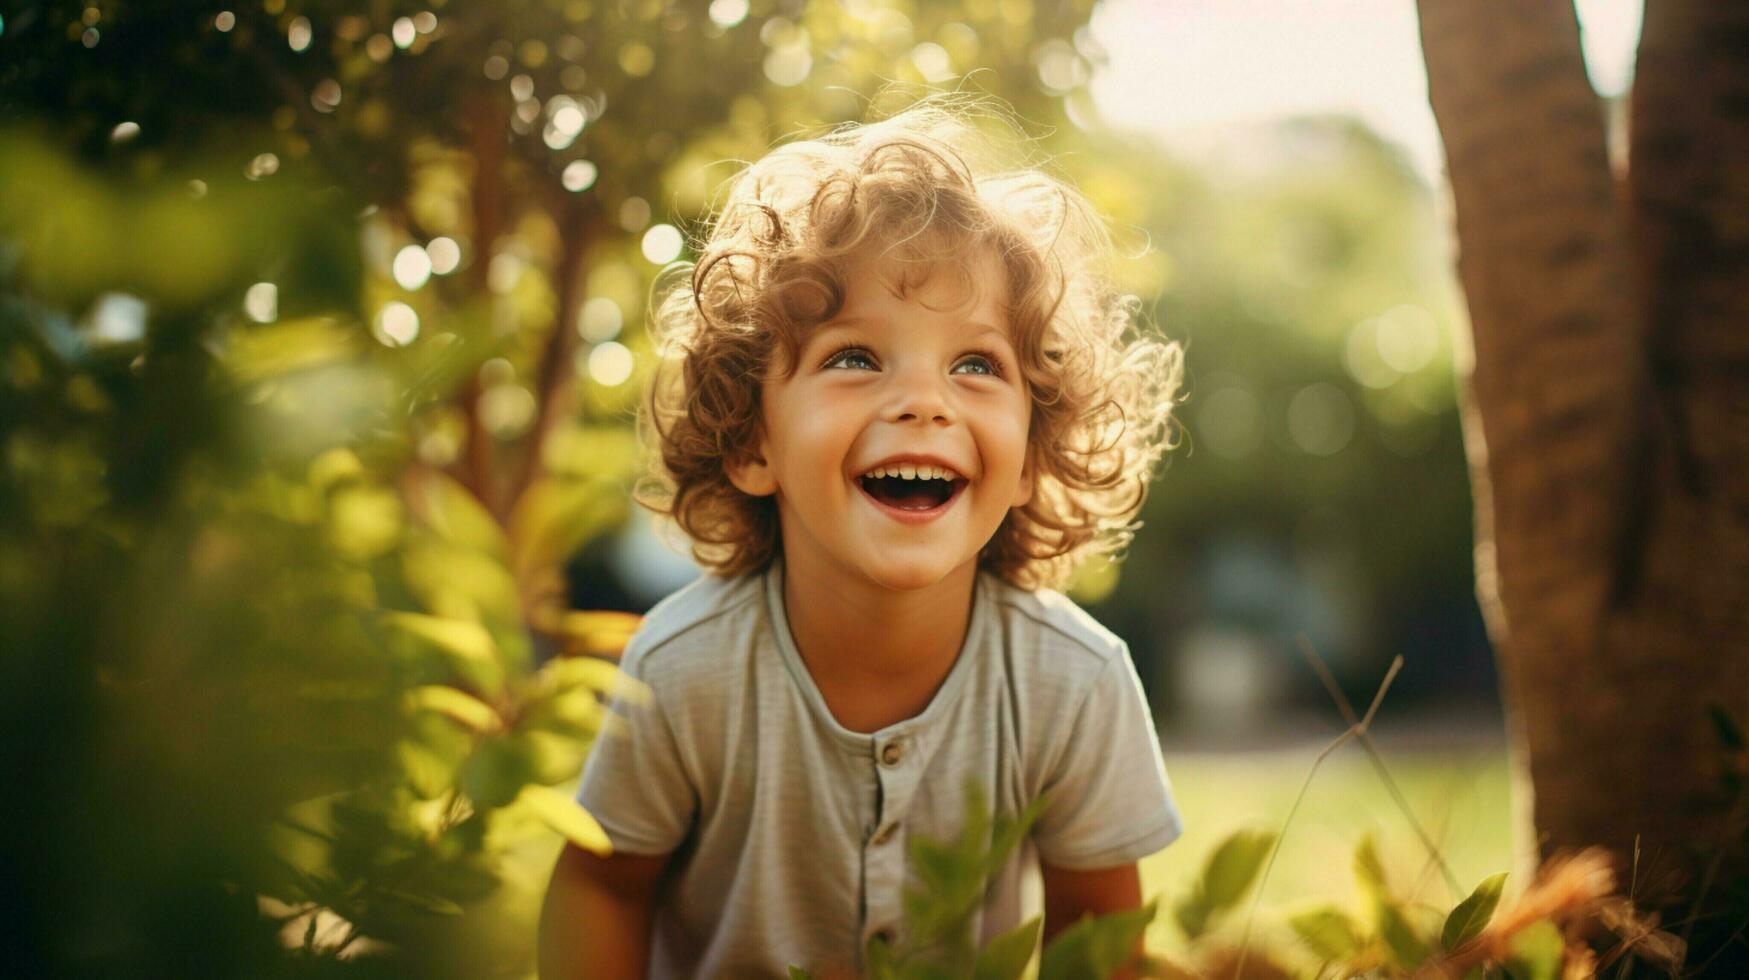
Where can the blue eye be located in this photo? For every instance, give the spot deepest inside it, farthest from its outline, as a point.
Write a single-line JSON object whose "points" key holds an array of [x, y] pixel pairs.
{"points": [[989, 368], [847, 355]]}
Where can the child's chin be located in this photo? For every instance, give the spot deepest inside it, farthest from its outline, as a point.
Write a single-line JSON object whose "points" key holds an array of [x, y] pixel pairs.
{"points": [[909, 576]]}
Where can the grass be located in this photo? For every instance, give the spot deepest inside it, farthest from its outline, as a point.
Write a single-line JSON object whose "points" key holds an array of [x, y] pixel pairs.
{"points": [[1461, 798]]}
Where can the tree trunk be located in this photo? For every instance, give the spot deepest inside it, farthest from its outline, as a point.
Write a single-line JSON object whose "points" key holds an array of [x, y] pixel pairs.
{"points": [[1607, 422]]}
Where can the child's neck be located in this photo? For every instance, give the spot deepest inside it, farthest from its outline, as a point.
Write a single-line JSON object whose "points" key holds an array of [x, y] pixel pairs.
{"points": [[877, 656]]}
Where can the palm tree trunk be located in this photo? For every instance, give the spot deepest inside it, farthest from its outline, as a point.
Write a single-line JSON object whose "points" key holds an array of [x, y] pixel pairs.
{"points": [[1607, 415]]}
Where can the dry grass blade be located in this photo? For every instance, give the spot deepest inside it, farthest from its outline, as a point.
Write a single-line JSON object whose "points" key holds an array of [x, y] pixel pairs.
{"points": [[1364, 733], [1355, 728]]}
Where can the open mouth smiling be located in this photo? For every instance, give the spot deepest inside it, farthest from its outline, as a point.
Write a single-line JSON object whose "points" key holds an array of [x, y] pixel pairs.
{"points": [[914, 487]]}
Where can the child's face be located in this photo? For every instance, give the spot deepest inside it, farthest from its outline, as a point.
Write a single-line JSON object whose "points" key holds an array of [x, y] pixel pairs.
{"points": [[912, 383]]}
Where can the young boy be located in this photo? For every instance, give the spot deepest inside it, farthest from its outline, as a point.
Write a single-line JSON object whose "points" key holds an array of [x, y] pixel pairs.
{"points": [[898, 403]]}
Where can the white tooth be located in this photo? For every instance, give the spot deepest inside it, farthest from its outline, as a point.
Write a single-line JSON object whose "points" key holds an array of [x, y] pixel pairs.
{"points": [[937, 473], [908, 471]]}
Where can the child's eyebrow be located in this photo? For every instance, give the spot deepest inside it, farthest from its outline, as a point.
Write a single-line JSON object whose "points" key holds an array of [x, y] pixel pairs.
{"points": [[850, 323]]}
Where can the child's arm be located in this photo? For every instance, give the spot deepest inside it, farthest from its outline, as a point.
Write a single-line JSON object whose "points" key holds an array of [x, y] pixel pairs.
{"points": [[1071, 894], [595, 921]]}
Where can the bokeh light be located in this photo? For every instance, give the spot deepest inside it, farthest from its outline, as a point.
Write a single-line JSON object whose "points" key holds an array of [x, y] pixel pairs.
{"points": [[610, 364], [1320, 419], [397, 325], [634, 214], [261, 302], [404, 32], [1408, 338], [412, 267], [262, 166], [224, 20], [1231, 422], [117, 318], [932, 61], [445, 255], [728, 13], [662, 244], [124, 131], [298, 34], [579, 175], [789, 64], [600, 320]]}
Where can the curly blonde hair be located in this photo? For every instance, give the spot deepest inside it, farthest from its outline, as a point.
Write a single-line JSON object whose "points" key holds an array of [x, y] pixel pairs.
{"points": [[923, 188]]}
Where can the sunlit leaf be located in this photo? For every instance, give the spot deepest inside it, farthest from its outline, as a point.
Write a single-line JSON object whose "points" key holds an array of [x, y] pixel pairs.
{"points": [[1406, 946], [421, 900], [459, 705], [461, 637], [1328, 932], [556, 516], [454, 512], [1234, 866], [1369, 871], [1006, 956], [1471, 915], [259, 352], [1095, 946], [1536, 952], [598, 633], [568, 818]]}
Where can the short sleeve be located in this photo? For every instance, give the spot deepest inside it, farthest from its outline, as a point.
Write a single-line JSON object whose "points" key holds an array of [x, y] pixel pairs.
{"points": [[634, 783], [1108, 800]]}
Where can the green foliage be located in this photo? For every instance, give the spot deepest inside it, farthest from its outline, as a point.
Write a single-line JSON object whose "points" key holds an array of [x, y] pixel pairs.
{"points": [[1328, 932], [1006, 957], [952, 877], [1471, 915], [1226, 878], [1096, 946], [1537, 952]]}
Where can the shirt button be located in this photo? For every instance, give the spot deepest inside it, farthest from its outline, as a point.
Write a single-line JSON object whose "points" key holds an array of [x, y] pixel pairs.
{"points": [[891, 753], [884, 834]]}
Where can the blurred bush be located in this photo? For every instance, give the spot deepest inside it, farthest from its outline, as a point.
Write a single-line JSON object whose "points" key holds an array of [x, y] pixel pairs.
{"points": [[319, 331]]}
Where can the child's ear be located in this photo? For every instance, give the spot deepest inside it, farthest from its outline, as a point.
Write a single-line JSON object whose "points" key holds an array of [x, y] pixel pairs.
{"points": [[753, 476]]}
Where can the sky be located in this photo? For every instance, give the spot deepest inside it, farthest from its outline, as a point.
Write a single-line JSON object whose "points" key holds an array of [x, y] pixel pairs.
{"points": [[1196, 74]]}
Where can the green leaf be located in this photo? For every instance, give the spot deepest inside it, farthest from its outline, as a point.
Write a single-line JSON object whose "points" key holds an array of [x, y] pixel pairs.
{"points": [[1369, 871], [1328, 932], [424, 902], [1234, 866], [463, 638], [566, 816], [455, 513], [456, 705], [1095, 947], [1406, 947], [797, 973], [1006, 956], [1192, 914], [1471, 915], [1536, 952]]}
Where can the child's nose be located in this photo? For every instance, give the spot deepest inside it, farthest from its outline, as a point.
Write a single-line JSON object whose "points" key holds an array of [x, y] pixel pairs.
{"points": [[919, 396]]}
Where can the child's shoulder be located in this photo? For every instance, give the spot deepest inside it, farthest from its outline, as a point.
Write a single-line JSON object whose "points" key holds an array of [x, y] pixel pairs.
{"points": [[703, 613], [1062, 630]]}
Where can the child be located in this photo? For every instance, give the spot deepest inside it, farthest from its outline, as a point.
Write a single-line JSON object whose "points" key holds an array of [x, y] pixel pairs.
{"points": [[898, 403]]}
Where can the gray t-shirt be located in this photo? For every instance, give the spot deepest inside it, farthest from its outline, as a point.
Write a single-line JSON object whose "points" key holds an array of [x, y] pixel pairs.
{"points": [[791, 829]]}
